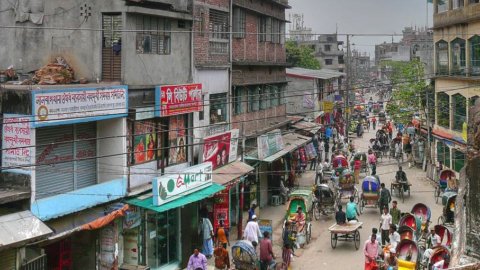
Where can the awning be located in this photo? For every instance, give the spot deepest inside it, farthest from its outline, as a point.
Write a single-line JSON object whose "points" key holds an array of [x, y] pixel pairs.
{"points": [[307, 126], [21, 227], [147, 203], [291, 142], [230, 172]]}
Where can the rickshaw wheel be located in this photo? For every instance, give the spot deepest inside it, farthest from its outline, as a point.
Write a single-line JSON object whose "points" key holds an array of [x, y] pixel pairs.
{"points": [[316, 210], [437, 193], [333, 240], [309, 233], [362, 205], [356, 239]]}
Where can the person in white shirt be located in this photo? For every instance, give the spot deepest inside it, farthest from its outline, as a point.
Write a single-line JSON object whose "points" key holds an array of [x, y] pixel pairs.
{"points": [[433, 241], [252, 231], [394, 236], [442, 264], [321, 150], [385, 222]]}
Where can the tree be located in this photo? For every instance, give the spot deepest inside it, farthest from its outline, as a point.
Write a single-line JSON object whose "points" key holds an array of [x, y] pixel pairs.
{"points": [[301, 56], [408, 89]]}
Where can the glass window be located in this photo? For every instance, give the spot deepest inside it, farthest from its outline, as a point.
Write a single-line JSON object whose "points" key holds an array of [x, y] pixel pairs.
{"points": [[253, 98], [456, 4], [163, 243], [328, 48], [281, 97], [475, 55], [263, 97], [218, 28], [442, 5], [238, 100], [442, 57], [156, 37], [473, 100], [459, 111], [443, 112], [443, 153], [328, 62], [458, 160], [218, 108], [458, 56], [274, 96], [239, 23], [144, 141]]}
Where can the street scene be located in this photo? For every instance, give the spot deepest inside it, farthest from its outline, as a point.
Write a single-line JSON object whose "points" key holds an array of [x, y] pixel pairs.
{"points": [[239, 134]]}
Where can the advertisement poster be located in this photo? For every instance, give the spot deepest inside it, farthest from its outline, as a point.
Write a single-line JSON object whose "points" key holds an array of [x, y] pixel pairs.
{"points": [[16, 139], [220, 210], [221, 149], [308, 100], [67, 105], [177, 140], [266, 226], [144, 141], [179, 99], [270, 143], [170, 187], [311, 153]]}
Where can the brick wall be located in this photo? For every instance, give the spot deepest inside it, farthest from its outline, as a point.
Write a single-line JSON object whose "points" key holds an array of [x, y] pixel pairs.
{"points": [[242, 75], [249, 49], [201, 37], [259, 121], [262, 6]]}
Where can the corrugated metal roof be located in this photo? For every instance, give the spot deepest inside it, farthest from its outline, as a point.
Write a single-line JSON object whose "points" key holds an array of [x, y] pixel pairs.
{"points": [[323, 74], [230, 172], [21, 227]]}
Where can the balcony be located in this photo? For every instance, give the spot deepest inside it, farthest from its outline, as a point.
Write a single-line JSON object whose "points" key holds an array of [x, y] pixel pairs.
{"points": [[442, 70], [466, 14]]}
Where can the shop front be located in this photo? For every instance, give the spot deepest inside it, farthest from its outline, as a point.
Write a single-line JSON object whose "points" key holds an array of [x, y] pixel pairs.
{"points": [[170, 218]]}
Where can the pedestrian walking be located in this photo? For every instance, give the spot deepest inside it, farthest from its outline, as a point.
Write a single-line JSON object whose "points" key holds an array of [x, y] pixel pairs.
{"points": [[372, 160], [370, 250], [327, 147], [251, 211], [222, 258], [321, 150], [385, 197], [267, 258], [334, 133], [222, 235], [385, 222], [252, 231], [374, 123], [395, 213], [197, 261], [206, 230], [287, 254]]}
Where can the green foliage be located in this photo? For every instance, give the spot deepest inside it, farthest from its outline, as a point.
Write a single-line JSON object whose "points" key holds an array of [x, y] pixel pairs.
{"points": [[408, 89], [301, 56]]}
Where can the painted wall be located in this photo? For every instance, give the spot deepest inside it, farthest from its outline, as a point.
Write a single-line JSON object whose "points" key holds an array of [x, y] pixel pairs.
{"points": [[297, 89]]}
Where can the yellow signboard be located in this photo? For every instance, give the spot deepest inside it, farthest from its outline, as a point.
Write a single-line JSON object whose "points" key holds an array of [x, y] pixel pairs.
{"points": [[465, 131]]}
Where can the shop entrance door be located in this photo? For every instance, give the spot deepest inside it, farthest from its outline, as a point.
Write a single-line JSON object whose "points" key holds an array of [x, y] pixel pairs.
{"points": [[163, 239], [189, 230]]}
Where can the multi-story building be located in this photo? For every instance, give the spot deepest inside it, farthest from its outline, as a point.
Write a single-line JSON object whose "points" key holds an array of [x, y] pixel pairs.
{"points": [[328, 51], [360, 65], [71, 152]]}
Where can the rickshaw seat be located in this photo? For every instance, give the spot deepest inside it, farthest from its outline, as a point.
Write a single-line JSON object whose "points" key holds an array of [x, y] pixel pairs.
{"points": [[406, 265], [370, 195]]}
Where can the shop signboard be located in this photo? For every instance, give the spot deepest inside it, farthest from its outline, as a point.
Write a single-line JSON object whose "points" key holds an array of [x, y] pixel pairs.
{"points": [[132, 218], [65, 106], [221, 149], [220, 209], [266, 226], [173, 186], [178, 99], [18, 143], [269, 143]]}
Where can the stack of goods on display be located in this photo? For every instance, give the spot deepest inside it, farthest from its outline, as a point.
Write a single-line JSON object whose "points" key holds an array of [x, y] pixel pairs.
{"points": [[56, 72]]}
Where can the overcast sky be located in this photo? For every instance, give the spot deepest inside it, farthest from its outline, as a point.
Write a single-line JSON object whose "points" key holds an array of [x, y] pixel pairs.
{"points": [[363, 17]]}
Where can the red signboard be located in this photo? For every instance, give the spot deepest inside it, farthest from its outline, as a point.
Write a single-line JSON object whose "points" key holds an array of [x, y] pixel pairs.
{"points": [[220, 209], [179, 99], [221, 149]]}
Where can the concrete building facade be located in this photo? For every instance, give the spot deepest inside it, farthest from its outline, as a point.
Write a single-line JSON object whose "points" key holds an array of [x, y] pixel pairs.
{"points": [[328, 50]]}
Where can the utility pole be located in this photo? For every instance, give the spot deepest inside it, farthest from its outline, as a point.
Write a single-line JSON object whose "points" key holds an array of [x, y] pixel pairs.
{"points": [[347, 91]]}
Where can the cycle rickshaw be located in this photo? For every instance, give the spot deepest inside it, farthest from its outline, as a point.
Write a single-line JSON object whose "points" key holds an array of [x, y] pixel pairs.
{"points": [[346, 185], [408, 255], [362, 156], [422, 211], [324, 201], [444, 178], [300, 198], [370, 193], [448, 201]]}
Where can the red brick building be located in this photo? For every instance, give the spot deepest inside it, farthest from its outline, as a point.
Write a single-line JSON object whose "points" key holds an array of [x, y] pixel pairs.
{"points": [[258, 65]]}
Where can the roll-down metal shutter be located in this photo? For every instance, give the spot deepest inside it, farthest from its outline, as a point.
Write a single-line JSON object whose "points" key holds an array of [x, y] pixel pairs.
{"points": [[86, 151], [54, 171], [8, 259]]}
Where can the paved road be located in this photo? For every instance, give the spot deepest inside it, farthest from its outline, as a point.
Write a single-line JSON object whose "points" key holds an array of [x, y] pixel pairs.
{"points": [[319, 253]]}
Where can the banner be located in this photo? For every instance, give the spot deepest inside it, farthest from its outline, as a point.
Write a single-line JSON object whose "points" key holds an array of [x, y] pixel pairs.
{"points": [[269, 143], [178, 99], [18, 142], [221, 149], [144, 141], [170, 187], [220, 209], [266, 225], [54, 107]]}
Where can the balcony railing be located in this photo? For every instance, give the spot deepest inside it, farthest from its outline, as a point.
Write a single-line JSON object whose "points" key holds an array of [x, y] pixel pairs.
{"points": [[442, 70], [39, 263]]}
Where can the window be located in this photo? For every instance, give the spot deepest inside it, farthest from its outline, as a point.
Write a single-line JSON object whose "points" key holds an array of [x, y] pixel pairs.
{"points": [[457, 4], [328, 62], [218, 28], [442, 5], [443, 153], [321, 89], [253, 98], [274, 96], [458, 160], [264, 29], [443, 112], [442, 57], [475, 55], [474, 1], [459, 111], [264, 95], [330, 39], [458, 56], [239, 23], [157, 35], [327, 48], [473, 100], [218, 108], [238, 100], [340, 59], [278, 31]]}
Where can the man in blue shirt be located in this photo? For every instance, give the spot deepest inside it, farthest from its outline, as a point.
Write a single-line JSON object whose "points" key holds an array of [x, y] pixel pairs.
{"points": [[352, 210], [328, 133], [251, 211]]}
